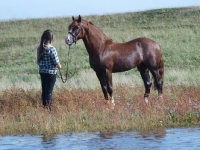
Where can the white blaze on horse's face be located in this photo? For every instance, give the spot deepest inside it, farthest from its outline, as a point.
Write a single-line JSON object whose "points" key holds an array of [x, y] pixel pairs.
{"points": [[69, 38]]}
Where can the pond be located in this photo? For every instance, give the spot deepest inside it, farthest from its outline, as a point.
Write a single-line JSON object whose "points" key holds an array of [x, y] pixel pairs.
{"points": [[162, 139]]}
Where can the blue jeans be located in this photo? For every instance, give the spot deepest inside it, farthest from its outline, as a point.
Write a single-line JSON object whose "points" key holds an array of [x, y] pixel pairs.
{"points": [[48, 82]]}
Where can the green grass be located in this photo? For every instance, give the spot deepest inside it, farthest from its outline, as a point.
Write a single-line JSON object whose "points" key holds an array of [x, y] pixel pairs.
{"points": [[177, 30]]}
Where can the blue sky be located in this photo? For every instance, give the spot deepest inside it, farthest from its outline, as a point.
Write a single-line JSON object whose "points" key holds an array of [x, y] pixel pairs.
{"points": [[26, 9]]}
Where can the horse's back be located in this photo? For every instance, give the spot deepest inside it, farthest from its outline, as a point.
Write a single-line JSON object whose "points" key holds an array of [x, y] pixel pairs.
{"points": [[147, 44]]}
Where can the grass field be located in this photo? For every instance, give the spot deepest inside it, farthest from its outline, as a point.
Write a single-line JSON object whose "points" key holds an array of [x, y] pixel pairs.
{"points": [[177, 30]]}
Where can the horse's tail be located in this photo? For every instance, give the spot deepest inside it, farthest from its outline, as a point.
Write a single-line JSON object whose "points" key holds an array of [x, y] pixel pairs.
{"points": [[160, 74]]}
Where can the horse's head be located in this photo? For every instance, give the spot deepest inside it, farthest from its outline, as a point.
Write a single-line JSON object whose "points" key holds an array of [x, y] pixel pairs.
{"points": [[75, 31]]}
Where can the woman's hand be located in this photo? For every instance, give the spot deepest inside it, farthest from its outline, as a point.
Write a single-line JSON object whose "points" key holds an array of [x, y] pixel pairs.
{"points": [[59, 66]]}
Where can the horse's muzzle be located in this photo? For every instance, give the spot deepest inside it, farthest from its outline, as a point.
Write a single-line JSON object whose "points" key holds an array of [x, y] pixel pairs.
{"points": [[67, 41]]}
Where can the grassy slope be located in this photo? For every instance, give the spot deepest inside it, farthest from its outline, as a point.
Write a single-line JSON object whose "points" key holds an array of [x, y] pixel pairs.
{"points": [[177, 30]]}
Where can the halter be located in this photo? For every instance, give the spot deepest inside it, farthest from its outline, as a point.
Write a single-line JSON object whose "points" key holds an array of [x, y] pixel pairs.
{"points": [[74, 36]]}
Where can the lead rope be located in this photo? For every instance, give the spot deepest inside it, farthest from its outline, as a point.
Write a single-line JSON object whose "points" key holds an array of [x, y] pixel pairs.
{"points": [[67, 70]]}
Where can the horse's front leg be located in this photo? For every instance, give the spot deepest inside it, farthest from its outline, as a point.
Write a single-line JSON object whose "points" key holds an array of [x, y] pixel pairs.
{"points": [[109, 85], [105, 79], [102, 81]]}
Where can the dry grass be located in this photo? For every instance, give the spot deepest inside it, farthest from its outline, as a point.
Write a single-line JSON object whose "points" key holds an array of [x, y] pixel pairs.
{"points": [[85, 110]]}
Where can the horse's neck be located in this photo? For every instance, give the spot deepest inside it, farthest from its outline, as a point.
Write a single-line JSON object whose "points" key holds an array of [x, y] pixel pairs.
{"points": [[94, 40]]}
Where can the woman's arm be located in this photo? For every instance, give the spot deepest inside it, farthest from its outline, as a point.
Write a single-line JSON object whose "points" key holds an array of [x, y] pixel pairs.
{"points": [[59, 66], [55, 57]]}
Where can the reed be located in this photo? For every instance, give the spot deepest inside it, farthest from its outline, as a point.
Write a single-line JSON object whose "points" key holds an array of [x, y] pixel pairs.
{"points": [[86, 110]]}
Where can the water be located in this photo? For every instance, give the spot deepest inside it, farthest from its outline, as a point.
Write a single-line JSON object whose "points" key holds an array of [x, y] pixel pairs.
{"points": [[161, 139]]}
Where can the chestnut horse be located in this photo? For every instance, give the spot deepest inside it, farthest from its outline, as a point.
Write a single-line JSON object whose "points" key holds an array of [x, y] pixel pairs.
{"points": [[107, 57]]}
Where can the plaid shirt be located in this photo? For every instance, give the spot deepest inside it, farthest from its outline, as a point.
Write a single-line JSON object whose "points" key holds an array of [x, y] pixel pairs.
{"points": [[49, 62]]}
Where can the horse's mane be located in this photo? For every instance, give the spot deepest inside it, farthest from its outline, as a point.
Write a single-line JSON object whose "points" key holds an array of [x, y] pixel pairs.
{"points": [[91, 23]]}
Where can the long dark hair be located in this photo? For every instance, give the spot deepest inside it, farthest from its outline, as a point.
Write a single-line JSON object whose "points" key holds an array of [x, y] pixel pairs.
{"points": [[46, 38]]}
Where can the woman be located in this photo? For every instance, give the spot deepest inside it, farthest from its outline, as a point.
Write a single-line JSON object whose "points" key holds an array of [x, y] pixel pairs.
{"points": [[48, 62]]}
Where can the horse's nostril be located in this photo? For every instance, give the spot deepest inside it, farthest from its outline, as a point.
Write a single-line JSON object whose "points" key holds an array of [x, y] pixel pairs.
{"points": [[66, 40]]}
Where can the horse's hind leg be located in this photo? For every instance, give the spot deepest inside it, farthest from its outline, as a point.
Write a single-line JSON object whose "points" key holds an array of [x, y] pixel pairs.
{"points": [[144, 72], [158, 76]]}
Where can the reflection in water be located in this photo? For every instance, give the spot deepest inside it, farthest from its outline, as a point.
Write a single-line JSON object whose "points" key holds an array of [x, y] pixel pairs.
{"points": [[48, 141], [161, 139], [155, 134], [109, 134], [47, 137]]}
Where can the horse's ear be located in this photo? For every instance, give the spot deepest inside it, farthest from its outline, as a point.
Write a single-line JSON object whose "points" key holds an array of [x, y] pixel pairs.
{"points": [[73, 18], [79, 18]]}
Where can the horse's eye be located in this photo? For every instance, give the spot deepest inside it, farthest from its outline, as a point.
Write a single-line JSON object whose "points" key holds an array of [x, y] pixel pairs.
{"points": [[75, 28]]}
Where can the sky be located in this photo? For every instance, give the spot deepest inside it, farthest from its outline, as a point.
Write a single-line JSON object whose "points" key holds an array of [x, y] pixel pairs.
{"points": [[28, 9]]}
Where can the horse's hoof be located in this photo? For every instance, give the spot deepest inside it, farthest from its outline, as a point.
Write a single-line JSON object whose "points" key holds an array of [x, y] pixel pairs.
{"points": [[111, 103], [146, 100], [160, 97]]}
